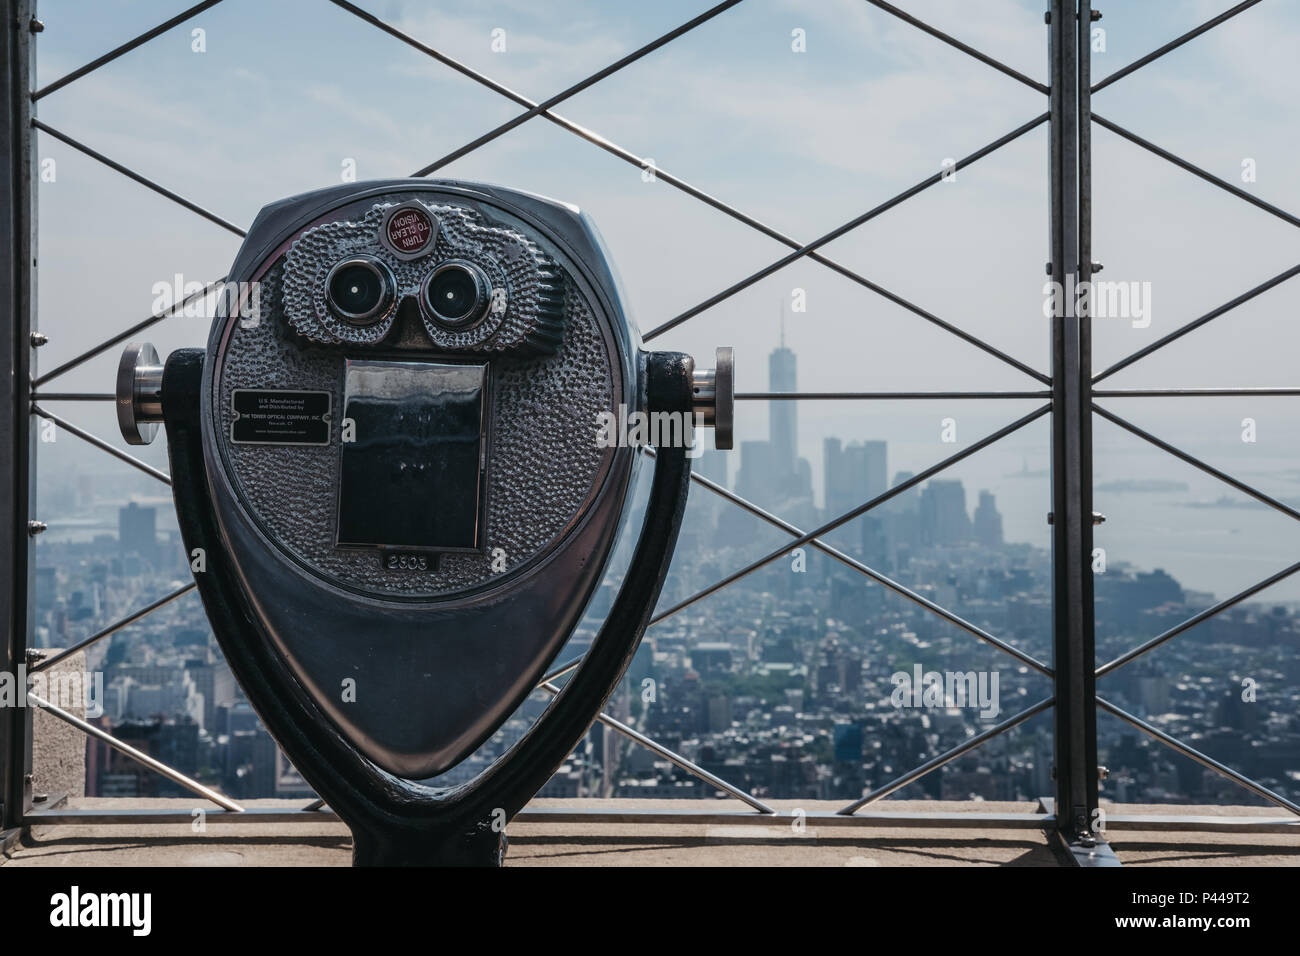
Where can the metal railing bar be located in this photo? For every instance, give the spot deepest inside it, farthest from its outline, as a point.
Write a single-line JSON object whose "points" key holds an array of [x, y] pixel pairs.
{"points": [[1197, 323], [947, 756], [113, 628], [1201, 824], [900, 819], [900, 589], [1248, 392], [894, 819], [123, 336], [127, 47], [576, 88], [844, 228], [1196, 170], [73, 397], [142, 180], [136, 816], [1195, 619], [880, 499], [560, 670], [102, 445], [693, 769], [968, 50], [1195, 462], [1172, 45], [877, 396], [138, 755], [1193, 754], [694, 192]]}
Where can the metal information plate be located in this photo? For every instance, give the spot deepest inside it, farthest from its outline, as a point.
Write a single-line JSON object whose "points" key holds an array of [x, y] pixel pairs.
{"points": [[278, 417]]}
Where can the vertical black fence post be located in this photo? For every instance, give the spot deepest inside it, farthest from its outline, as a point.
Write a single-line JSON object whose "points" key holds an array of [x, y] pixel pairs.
{"points": [[1088, 679], [18, 302], [1072, 611]]}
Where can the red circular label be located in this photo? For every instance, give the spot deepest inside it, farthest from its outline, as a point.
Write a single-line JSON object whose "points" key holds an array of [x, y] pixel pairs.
{"points": [[409, 230]]}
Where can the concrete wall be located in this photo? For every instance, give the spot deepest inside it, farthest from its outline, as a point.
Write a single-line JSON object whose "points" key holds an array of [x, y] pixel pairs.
{"points": [[59, 749]]}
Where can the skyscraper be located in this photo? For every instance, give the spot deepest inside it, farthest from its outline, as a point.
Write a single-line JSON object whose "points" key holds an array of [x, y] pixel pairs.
{"points": [[853, 474], [988, 522], [875, 460], [783, 422], [755, 479], [835, 480], [943, 513], [771, 472], [137, 531]]}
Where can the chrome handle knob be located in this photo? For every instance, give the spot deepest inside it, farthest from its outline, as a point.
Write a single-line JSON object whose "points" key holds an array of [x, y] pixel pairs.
{"points": [[714, 397], [139, 393]]}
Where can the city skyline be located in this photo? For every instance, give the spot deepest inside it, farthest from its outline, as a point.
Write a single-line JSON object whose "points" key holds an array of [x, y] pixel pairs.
{"points": [[1185, 527], [792, 704]]}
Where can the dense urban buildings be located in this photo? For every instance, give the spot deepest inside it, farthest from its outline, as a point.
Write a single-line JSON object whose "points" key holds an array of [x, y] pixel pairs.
{"points": [[786, 683]]}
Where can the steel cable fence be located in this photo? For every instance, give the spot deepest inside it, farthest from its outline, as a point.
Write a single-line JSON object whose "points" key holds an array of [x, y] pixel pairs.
{"points": [[1070, 388]]}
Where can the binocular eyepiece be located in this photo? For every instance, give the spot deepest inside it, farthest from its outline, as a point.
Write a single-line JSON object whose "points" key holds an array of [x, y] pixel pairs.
{"points": [[361, 290], [456, 294]]}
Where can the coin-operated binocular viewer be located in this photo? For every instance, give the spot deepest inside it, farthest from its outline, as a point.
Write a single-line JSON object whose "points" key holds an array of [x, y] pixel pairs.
{"points": [[396, 456]]}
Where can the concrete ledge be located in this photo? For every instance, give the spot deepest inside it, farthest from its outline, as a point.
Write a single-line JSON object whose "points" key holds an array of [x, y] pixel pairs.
{"points": [[984, 834]]}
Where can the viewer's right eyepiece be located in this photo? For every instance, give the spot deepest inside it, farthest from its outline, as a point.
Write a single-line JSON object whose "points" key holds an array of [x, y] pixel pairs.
{"points": [[457, 294]]}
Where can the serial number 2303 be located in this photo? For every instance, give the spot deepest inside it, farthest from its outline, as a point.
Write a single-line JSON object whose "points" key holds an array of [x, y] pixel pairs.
{"points": [[406, 562]]}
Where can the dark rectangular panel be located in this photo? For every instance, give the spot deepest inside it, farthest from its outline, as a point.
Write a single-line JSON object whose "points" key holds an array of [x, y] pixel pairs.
{"points": [[412, 475]]}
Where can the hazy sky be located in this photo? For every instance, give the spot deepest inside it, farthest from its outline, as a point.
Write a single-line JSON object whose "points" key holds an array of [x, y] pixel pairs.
{"points": [[288, 91]]}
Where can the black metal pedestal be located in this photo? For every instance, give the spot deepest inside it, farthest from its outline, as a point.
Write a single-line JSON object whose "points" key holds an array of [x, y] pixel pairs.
{"points": [[397, 822]]}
